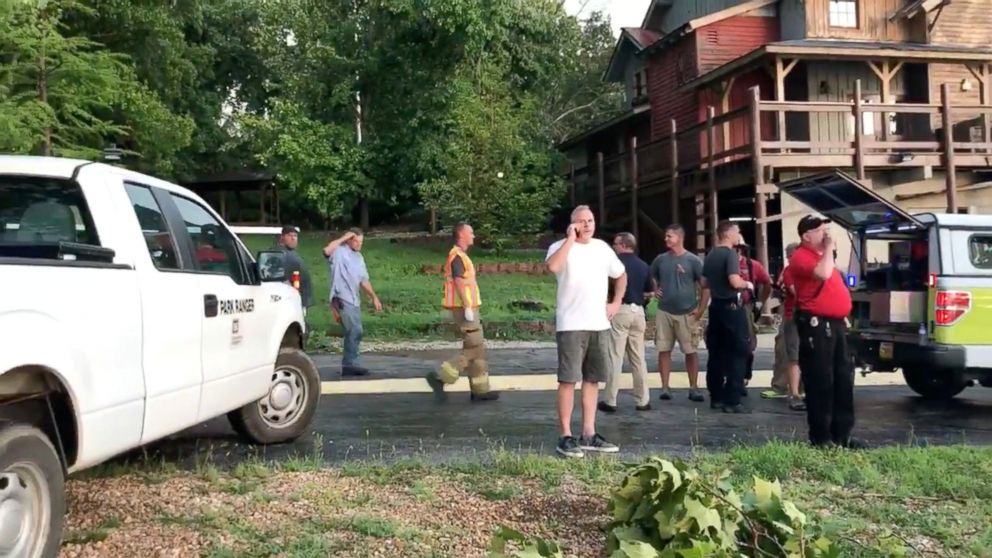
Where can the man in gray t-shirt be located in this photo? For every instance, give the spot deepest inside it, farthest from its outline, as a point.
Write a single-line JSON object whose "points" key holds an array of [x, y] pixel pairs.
{"points": [[677, 275]]}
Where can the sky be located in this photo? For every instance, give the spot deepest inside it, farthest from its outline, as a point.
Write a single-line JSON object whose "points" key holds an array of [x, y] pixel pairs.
{"points": [[623, 13]]}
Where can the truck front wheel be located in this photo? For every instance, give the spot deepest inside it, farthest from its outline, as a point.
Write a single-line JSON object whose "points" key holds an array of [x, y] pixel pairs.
{"points": [[32, 493], [284, 414], [933, 384]]}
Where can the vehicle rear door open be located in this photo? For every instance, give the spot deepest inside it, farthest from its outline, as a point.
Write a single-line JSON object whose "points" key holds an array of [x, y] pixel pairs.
{"points": [[850, 204]]}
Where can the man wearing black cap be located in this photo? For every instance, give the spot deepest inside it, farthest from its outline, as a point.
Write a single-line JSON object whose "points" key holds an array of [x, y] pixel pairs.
{"points": [[287, 242], [822, 305]]}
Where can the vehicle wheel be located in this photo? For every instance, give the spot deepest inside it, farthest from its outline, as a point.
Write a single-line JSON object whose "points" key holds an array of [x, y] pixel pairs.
{"points": [[933, 384], [286, 411], [32, 493]]}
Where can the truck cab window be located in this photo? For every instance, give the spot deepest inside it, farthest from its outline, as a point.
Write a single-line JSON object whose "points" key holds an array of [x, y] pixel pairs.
{"points": [[161, 246], [980, 250], [215, 249], [38, 213]]}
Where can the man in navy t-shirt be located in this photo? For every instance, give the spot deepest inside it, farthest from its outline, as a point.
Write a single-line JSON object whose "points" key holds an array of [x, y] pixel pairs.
{"points": [[627, 328]]}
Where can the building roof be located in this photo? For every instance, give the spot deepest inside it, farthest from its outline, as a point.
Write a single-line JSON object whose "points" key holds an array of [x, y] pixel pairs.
{"points": [[836, 49], [632, 40], [636, 111], [708, 19], [641, 37], [915, 6]]}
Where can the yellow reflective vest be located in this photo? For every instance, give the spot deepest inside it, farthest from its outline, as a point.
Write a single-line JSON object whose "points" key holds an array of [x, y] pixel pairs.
{"points": [[471, 292]]}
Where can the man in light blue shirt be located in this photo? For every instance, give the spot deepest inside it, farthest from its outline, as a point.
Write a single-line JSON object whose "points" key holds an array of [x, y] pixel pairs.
{"points": [[348, 274]]}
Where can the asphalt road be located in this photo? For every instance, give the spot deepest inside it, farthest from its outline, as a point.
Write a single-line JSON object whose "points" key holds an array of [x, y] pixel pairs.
{"points": [[413, 425], [414, 364]]}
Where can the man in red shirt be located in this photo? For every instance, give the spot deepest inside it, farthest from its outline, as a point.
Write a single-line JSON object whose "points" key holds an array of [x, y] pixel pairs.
{"points": [[822, 305], [754, 300], [785, 379]]}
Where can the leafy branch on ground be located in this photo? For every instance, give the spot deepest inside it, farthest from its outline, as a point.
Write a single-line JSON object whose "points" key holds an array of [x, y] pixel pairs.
{"points": [[668, 509]]}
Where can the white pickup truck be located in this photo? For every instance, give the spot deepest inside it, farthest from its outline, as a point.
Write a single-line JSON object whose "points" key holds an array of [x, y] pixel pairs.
{"points": [[129, 311]]}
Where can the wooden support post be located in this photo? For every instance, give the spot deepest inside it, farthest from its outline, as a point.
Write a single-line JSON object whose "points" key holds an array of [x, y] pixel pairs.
{"points": [[571, 182], [859, 132], [726, 88], [633, 186], [601, 179], [674, 174], [700, 202], [711, 168], [275, 192], [948, 142], [757, 175], [781, 72], [261, 205]]}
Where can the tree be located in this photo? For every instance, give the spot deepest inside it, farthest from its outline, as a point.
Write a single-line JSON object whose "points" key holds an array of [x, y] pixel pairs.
{"points": [[67, 95], [492, 172], [197, 58]]}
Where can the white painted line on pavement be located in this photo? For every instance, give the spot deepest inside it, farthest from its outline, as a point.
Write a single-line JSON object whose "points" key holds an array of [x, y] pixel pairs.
{"points": [[549, 382]]}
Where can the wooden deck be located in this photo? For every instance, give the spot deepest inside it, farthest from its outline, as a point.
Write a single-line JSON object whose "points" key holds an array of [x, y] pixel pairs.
{"points": [[745, 147]]}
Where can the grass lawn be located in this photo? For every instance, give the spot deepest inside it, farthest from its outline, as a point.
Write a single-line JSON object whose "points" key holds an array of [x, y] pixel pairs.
{"points": [[936, 501], [412, 300]]}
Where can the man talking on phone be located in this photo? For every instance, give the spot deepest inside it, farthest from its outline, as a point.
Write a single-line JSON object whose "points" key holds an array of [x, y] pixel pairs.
{"points": [[583, 266], [822, 305]]}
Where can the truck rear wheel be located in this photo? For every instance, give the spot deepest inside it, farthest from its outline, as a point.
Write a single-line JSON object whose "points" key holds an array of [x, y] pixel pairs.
{"points": [[933, 384], [284, 414], [32, 493]]}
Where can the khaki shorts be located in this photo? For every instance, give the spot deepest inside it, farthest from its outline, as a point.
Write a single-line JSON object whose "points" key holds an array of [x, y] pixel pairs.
{"points": [[670, 328]]}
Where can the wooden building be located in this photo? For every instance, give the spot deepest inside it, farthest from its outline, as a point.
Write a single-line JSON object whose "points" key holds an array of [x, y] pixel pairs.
{"points": [[746, 94]]}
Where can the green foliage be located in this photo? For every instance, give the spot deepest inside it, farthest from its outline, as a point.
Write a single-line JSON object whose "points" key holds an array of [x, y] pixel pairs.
{"points": [[668, 509], [318, 161], [64, 94], [531, 547]]}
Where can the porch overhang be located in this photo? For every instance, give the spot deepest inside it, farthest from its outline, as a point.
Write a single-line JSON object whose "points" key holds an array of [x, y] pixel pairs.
{"points": [[603, 126], [827, 49]]}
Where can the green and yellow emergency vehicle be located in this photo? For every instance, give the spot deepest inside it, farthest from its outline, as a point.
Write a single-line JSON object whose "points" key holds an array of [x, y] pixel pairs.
{"points": [[921, 285]]}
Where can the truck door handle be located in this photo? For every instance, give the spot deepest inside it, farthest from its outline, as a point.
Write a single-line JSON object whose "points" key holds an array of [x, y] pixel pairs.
{"points": [[210, 305]]}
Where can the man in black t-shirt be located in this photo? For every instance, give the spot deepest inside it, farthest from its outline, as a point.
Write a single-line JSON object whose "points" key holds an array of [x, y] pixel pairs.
{"points": [[727, 333]]}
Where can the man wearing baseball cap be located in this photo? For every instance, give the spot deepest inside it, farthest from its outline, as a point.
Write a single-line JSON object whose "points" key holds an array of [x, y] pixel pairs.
{"points": [[287, 242], [822, 306]]}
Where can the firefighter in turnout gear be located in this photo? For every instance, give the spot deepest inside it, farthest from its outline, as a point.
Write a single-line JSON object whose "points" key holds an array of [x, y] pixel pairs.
{"points": [[461, 305]]}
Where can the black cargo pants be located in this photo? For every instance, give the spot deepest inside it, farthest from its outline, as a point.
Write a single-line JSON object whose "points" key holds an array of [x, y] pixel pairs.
{"points": [[727, 345], [828, 374]]}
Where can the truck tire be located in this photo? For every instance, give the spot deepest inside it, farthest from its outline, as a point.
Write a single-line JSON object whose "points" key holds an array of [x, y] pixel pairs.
{"points": [[933, 384], [32, 493], [284, 414]]}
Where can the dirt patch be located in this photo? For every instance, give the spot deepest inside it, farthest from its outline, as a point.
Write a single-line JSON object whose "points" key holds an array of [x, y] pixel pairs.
{"points": [[321, 513]]}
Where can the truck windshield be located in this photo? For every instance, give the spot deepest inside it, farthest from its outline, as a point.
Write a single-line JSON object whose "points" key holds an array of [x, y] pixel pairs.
{"points": [[38, 212]]}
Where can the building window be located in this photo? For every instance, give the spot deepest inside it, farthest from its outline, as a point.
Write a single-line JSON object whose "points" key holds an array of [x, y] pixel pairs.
{"points": [[844, 13], [641, 83], [980, 250]]}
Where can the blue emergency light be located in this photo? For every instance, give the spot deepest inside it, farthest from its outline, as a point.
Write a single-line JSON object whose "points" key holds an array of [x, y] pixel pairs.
{"points": [[852, 281]]}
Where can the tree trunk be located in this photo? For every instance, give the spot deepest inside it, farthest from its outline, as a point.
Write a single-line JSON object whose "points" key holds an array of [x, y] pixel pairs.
{"points": [[46, 141], [363, 213]]}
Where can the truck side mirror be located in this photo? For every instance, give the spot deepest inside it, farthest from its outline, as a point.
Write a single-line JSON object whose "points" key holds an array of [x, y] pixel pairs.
{"points": [[271, 266]]}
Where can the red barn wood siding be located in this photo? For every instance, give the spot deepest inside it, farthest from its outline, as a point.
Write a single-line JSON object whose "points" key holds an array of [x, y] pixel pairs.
{"points": [[740, 97], [704, 50], [723, 41], [668, 69]]}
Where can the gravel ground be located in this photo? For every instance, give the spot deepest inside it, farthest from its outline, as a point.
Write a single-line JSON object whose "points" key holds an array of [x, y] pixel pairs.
{"points": [[321, 514]]}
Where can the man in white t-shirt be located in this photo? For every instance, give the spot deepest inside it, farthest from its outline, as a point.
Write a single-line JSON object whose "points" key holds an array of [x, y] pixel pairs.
{"points": [[583, 266]]}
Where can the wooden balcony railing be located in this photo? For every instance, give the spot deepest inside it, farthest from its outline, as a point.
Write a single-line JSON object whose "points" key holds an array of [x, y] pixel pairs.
{"points": [[794, 135]]}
